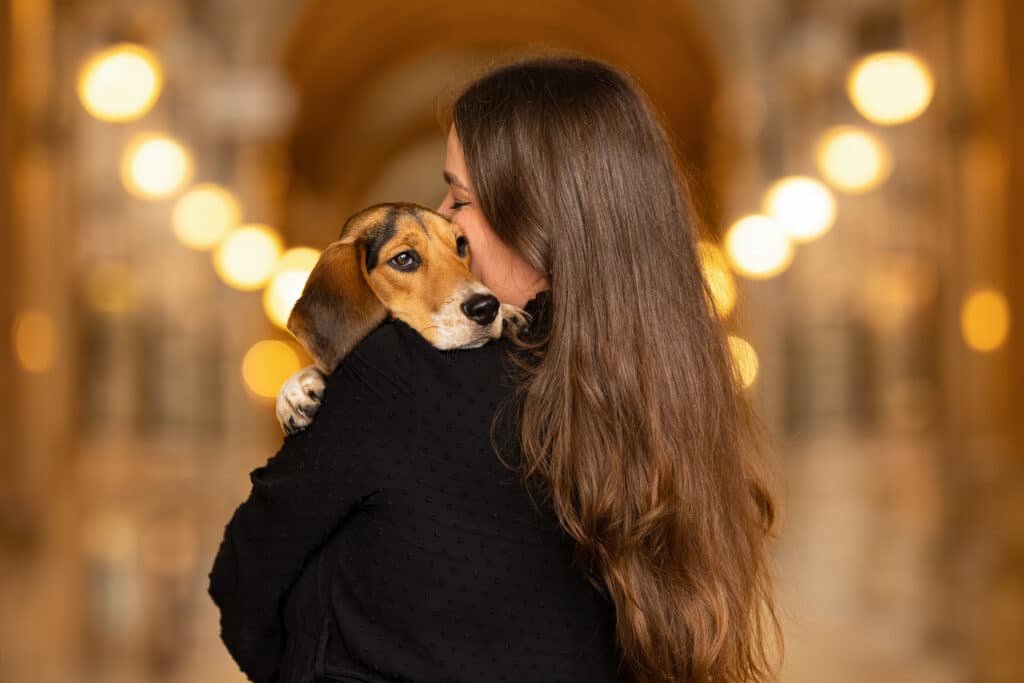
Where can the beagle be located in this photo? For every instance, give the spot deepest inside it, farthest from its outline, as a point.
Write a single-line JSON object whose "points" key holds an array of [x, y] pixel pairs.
{"points": [[397, 259]]}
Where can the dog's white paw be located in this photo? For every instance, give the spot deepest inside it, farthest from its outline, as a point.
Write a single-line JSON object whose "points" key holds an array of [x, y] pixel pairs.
{"points": [[299, 399], [515, 316]]}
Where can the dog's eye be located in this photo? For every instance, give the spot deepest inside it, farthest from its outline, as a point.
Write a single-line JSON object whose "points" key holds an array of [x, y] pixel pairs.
{"points": [[462, 244], [406, 260]]}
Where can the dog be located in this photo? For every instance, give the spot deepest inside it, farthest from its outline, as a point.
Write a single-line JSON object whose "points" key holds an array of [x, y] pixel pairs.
{"points": [[401, 260]]}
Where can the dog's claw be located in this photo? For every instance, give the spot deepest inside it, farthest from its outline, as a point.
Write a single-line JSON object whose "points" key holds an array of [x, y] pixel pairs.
{"points": [[299, 399], [513, 316]]}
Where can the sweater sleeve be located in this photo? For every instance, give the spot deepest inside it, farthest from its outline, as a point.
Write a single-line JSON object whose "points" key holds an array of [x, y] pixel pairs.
{"points": [[302, 494]]}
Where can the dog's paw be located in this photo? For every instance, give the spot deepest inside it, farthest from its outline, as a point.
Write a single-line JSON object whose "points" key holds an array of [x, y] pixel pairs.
{"points": [[299, 399], [515, 316]]}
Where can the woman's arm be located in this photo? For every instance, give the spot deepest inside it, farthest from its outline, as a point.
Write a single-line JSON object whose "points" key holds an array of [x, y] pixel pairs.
{"points": [[302, 494]]}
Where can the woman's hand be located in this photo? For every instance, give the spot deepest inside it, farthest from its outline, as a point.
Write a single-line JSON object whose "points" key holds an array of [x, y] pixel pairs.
{"points": [[299, 399]]}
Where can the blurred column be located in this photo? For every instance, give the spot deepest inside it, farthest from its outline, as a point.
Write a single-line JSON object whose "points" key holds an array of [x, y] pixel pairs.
{"points": [[35, 234], [996, 32], [37, 587], [984, 406], [1015, 238], [6, 261]]}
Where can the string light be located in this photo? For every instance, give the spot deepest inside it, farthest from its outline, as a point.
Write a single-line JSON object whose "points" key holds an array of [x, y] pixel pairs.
{"points": [[890, 87], [120, 83], [285, 288], [853, 160], [758, 247], [719, 277], [266, 365], [745, 359], [246, 257], [203, 215], [985, 320], [803, 206], [155, 166]]}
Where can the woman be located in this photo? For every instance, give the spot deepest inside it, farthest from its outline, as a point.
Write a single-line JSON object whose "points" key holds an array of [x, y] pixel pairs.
{"points": [[626, 539]]}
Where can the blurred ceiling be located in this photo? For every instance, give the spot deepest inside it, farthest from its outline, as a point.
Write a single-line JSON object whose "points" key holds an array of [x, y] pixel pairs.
{"points": [[369, 76]]}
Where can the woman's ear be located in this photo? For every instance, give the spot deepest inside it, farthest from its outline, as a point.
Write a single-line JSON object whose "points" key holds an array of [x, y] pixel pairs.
{"points": [[337, 309]]}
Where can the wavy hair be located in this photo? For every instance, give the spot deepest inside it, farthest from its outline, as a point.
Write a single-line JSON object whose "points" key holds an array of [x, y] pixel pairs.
{"points": [[633, 420]]}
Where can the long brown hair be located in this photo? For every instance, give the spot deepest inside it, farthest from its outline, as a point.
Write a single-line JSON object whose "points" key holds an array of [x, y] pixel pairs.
{"points": [[634, 422]]}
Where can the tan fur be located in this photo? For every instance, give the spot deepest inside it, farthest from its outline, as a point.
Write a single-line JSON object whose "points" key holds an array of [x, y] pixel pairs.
{"points": [[344, 300]]}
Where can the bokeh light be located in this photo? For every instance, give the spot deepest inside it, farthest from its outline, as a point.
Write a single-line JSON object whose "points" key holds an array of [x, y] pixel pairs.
{"points": [[719, 276], [985, 320], [853, 160], [267, 365], [803, 206], [246, 257], [890, 87], [155, 166], [35, 341], [203, 215], [286, 284], [758, 247], [120, 83], [745, 359]]}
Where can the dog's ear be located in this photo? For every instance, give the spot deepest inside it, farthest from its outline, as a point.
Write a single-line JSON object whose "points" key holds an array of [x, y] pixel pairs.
{"points": [[337, 308]]}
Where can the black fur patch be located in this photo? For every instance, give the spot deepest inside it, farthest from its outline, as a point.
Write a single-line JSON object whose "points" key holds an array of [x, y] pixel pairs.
{"points": [[377, 237]]}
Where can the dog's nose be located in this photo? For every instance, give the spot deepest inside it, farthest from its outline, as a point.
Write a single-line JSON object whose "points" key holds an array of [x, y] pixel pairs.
{"points": [[481, 308]]}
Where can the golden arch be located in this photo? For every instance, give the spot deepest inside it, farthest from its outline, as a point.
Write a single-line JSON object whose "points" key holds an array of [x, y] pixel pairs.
{"points": [[369, 74]]}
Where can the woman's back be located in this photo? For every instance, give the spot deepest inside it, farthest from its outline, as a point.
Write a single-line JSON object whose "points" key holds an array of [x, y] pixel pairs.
{"points": [[634, 419], [442, 568]]}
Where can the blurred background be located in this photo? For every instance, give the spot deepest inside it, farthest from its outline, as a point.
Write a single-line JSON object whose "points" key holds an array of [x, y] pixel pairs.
{"points": [[169, 170]]}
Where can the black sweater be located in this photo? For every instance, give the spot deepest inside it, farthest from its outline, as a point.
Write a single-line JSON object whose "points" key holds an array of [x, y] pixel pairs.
{"points": [[387, 542]]}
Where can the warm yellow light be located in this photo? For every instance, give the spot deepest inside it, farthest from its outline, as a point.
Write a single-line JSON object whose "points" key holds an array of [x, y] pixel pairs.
{"points": [[155, 166], [890, 87], [719, 277], [853, 160], [803, 206], [109, 287], [758, 247], [35, 341], [246, 257], [267, 365], [985, 320], [203, 215], [744, 358], [286, 285], [120, 83]]}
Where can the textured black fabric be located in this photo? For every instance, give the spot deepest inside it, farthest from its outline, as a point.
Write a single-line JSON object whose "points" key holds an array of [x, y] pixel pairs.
{"points": [[387, 542]]}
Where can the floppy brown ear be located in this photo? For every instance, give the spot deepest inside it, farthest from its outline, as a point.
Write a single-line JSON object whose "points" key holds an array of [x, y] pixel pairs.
{"points": [[337, 308]]}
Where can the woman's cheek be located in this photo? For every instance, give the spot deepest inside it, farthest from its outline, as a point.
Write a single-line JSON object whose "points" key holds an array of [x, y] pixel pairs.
{"points": [[476, 265]]}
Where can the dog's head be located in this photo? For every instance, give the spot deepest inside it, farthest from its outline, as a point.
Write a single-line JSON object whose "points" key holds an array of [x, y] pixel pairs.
{"points": [[400, 259]]}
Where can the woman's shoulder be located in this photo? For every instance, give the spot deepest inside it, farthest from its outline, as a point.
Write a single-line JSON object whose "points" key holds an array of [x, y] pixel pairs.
{"points": [[399, 350], [392, 347], [400, 354]]}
